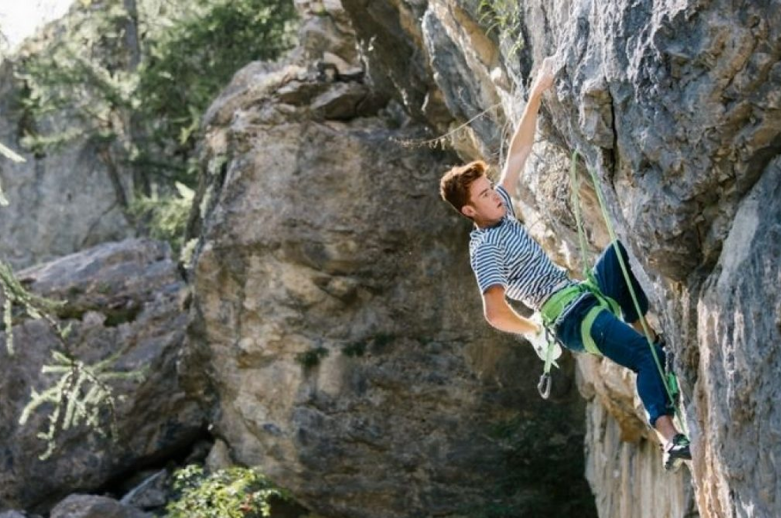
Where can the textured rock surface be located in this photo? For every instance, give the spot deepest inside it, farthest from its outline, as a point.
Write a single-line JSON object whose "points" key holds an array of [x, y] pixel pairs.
{"points": [[91, 506], [312, 247], [123, 295], [676, 107], [324, 239], [59, 204], [734, 404]]}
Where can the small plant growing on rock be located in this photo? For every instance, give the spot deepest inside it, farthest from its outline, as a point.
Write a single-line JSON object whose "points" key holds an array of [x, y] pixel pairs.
{"points": [[503, 17], [312, 357]]}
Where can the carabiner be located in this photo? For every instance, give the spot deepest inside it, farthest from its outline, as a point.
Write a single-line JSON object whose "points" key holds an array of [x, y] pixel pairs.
{"points": [[544, 386]]}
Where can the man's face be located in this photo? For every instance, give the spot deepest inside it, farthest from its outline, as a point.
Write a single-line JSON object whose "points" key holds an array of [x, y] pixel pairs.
{"points": [[485, 205]]}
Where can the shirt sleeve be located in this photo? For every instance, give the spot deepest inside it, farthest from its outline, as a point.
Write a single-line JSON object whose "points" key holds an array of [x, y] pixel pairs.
{"points": [[487, 264], [508, 202]]}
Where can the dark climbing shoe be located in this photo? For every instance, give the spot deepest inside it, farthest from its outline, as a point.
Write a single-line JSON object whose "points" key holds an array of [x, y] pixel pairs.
{"points": [[675, 452]]}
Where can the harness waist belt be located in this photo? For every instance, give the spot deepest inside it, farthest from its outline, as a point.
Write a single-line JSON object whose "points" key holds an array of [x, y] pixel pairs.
{"points": [[562, 300], [558, 306]]}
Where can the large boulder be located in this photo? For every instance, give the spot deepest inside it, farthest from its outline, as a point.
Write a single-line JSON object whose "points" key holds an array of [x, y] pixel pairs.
{"points": [[121, 298], [338, 323]]}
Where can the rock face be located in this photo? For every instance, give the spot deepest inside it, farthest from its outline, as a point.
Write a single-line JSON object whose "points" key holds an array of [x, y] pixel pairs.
{"points": [[339, 326], [121, 297], [676, 107], [323, 245], [739, 316], [89, 506], [60, 203]]}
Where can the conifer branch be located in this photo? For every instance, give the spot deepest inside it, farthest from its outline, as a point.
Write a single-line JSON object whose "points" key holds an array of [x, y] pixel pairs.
{"points": [[82, 394]]}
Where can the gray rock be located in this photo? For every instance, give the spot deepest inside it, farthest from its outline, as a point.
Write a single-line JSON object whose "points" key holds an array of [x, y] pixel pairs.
{"points": [[91, 506], [328, 238], [121, 296], [59, 203], [152, 493], [674, 106], [676, 109], [219, 457]]}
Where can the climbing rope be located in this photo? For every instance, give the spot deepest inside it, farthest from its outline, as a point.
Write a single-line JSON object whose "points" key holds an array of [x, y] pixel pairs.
{"points": [[670, 383]]}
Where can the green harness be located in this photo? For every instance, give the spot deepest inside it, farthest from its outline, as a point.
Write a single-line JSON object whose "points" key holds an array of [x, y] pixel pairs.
{"points": [[555, 308], [558, 305]]}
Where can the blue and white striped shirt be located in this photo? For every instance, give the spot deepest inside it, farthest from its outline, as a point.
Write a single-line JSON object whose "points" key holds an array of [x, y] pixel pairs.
{"points": [[507, 255]]}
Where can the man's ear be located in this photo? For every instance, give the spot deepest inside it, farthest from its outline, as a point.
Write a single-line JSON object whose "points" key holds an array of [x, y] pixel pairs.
{"points": [[468, 211]]}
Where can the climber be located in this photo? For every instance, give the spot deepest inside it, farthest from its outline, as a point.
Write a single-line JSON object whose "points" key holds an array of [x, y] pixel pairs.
{"points": [[507, 262]]}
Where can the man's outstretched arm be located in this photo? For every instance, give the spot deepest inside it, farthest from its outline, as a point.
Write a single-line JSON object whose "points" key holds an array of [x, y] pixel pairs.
{"points": [[523, 138], [502, 316]]}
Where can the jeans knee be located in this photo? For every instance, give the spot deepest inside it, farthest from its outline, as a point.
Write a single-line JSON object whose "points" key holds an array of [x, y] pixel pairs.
{"points": [[644, 356]]}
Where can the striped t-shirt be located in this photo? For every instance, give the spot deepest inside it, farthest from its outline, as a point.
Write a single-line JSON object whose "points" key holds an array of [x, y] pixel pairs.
{"points": [[507, 255]]}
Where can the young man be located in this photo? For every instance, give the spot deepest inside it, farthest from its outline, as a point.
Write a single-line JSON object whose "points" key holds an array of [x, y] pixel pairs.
{"points": [[507, 262]]}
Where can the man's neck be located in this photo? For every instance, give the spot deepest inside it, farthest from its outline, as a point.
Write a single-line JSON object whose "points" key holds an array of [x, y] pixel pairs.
{"points": [[484, 224]]}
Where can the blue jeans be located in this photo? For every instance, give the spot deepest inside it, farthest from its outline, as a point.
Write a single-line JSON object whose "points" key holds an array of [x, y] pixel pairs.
{"points": [[616, 339]]}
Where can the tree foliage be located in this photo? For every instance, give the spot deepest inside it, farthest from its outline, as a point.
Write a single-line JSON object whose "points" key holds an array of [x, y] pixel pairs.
{"points": [[203, 52], [80, 393], [133, 84]]}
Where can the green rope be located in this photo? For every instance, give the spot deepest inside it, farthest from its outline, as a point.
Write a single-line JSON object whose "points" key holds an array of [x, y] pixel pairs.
{"points": [[625, 272]]}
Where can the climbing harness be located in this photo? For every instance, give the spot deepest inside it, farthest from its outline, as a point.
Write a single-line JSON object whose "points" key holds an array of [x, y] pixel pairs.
{"points": [[561, 302], [558, 305], [549, 309]]}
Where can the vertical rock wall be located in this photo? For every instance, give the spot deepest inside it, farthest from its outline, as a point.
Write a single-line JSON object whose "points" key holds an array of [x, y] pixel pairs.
{"points": [[59, 203], [675, 105]]}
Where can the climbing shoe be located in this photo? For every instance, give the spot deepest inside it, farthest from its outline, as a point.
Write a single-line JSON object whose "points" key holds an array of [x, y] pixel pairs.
{"points": [[675, 452]]}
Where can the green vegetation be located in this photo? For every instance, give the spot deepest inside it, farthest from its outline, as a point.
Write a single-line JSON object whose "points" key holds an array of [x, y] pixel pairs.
{"points": [[312, 357], [167, 215], [188, 65], [79, 397], [14, 157], [228, 493], [16, 297], [132, 79], [504, 18], [82, 393]]}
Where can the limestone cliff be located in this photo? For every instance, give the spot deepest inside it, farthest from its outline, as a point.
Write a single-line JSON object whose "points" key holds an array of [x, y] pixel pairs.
{"points": [[676, 107], [334, 309]]}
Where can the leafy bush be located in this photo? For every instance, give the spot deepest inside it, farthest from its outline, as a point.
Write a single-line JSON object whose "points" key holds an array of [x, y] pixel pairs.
{"points": [[166, 215], [228, 493], [190, 63]]}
